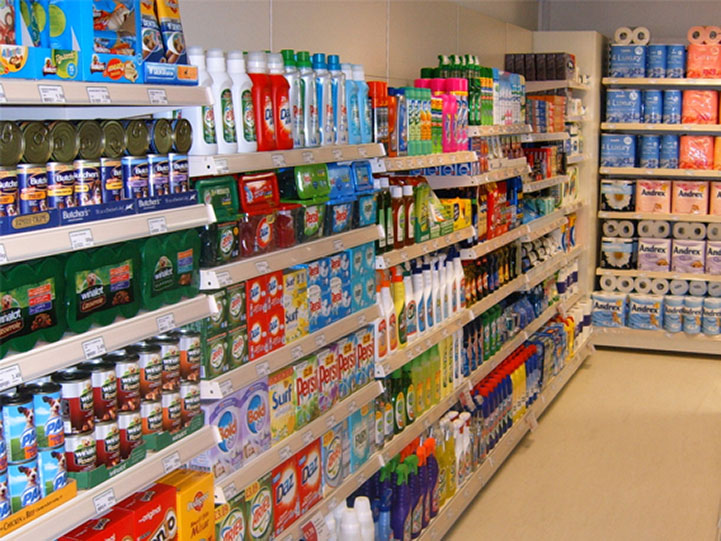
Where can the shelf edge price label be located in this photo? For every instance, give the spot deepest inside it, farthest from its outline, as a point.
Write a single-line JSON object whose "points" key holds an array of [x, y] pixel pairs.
{"points": [[79, 240], [104, 501], [99, 95], [362, 152], [338, 245], [157, 96], [263, 369], [296, 353], [10, 376], [3, 254], [166, 323], [94, 348], [171, 462], [3, 97], [262, 267], [223, 278], [337, 154], [285, 453], [221, 166], [532, 421], [226, 387], [278, 160], [308, 156], [308, 437], [51, 93], [362, 320], [229, 491], [320, 340], [157, 226], [330, 422]]}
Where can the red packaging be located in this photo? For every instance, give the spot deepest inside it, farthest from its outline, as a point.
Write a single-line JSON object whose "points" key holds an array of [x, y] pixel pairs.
{"points": [[309, 471], [695, 152], [259, 199], [153, 513], [289, 214], [274, 289], [116, 525], [257, 336], [276, 328], [286, 495], [256, 296], [700, 107], [703, 61]]}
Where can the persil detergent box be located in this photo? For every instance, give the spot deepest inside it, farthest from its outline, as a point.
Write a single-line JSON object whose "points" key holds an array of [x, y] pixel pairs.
{"points": [[345, 354], [281, 393], [310, 471], [609, 309], [226, 456], [306, 391], [328, 379], [255, 418], [334, 470], [623, 105], [259, 509], [645, 312], [364, 348], [628, 61], [618, 150], [286, 495]]}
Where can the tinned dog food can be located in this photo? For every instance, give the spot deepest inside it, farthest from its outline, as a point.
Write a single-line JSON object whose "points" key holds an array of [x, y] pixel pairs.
{"points": [[137, 137], [65, 142], [92, 140], [151, 369], [9, 192], [189, 401], [151, 413], [111, 179], [190, 353], [5, 508], [182, 135], [32, 187], [61, 185], [127, 378], [13, 143], [135, 177], [158, 175], [87, 183], [105, 388], [172, 411], [53, 471], [107, 443], [131, 432], [80, 451], [24, 484], [77, 400], [18, 417], [115, 142], [170, 355], [37, 142], [47, 403], [178, 173], [161, 135]]}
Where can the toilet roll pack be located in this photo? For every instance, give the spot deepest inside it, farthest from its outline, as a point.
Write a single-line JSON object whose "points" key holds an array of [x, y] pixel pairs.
{"points": [[653, 196], [688, 256], [713, 257], [618, 150], [609, 309], [654, 254], [618, 195], [618, 253], [623, 105], [645, 312]]}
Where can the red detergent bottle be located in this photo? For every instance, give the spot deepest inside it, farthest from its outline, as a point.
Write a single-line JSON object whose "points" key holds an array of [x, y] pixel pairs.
{"points": [[280, 90], [262, 94]]}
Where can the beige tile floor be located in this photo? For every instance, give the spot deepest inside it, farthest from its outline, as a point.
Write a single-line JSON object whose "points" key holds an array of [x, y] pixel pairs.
{"points": [[630, 450]]}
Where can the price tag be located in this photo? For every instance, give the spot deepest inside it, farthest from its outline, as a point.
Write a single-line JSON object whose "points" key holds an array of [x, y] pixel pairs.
{"points": [[387, 368], [157, 226], [278, 160], [320, 340], [426, 423], [99, 95], [82, 239], [157, 96], [316, 529], [104, 501], [337, 154], [221, 166], [263, 369], [285, 453], [362, 152], [361, 479], [330, 422], [296, 353], [223, 279], [3, 254], [362, 320], [10, 376], [308, 156], [229, 491], [353, 406], [308, 437], [94, 348], [532, 421], [166, 323], [3, 98], [226, 387], [51, 93], [262, 267], [171, 462], [338, 245], [404, 255]]}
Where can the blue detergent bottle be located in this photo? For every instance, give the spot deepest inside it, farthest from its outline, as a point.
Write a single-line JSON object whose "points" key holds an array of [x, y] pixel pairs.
{"points": [[401, 505], [338, 97], [366, 124], [352, 105]]}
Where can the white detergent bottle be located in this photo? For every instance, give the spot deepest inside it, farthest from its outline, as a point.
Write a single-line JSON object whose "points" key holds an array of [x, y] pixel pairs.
{"points": [[389, 310], [338, 92], [202, 118], [352, 105], [437, 294], [366, 123], [350, 529], [296, 97], [242, 102], [332, 527], [380, 328], [223, 103], [310, 112], [461, 279], [324, 90], [411, 309], [428, 293], [443, 287], [364, 515], [338, 513], [418, 290]]}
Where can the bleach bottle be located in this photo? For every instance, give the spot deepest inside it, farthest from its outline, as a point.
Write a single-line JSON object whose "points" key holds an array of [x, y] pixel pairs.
{"points": [[401, 506], [310, 112], [323, 87], [202, 118], [242, 102], [366, 123], [352, 105], [262, 94], [296, 96], [280, 90], [223, 100], [338, 91]]}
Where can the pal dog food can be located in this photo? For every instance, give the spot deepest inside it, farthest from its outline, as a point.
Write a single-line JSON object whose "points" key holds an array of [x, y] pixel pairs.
{"points": [[172, 411], [105, 388], [189, 401], [80, 451], [18, 416], [53, 473], [131, 432], [151, 369], [107, 443], [127, 378], [170, 355], [49, 426], [5, 508], [151, 414], [77, 400], [24, 484]]}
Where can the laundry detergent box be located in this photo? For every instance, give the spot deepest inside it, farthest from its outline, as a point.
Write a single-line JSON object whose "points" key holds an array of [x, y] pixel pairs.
{"points": [[645, 312], [319, 303], [340, 286], [230, 520], [226, 456], [194, 503], [255, 419], [286, 495], [345, 354], [690, 197], [283, 403], [618, 150], [334, 458], [328, 379], [237, 347], [235, 298], [276, 328], [306, 391], [653, 196], [618, 195], [688, 256], [713, 257], [295, 304], [623, 105], [360, 430], [654, 254], [257, 336], [365, 345], [259, 509], [609, 309], [256, 296], [154, 512], [310, 474]]}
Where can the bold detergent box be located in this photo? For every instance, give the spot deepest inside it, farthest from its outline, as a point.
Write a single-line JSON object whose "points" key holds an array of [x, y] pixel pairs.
{"points": [[226, 456], [281, 392], [286, 495], [259, 509], [328, 379], [306, 391], [255, 418], [310, 472]]}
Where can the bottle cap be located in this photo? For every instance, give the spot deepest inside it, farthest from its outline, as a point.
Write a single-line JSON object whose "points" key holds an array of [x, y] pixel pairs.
{"points": [[275, 63], [428, 73], [407, 190], [236, 62], [358, 73], [334, 62], [196, 57], [319, 61], [396, 191], [384, 182], [256, 62], [377, 89], [302, 59], [422, 83], [215, 60], [438, 85], [288, 57]]}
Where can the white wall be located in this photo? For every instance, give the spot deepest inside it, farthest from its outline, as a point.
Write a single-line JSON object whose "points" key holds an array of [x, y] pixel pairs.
{"points": [[519, 12]]}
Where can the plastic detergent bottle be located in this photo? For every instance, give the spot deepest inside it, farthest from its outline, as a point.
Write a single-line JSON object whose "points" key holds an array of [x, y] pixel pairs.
{"points": [[385, 195], [364, 515], [332, 527], [223, 100], [296, 97], [242, 102], [417, 378], [461, 279], [427, 380], [400, 507], [398, 209], [366, 128], [323, 89], [338, 94], [202, 118], [398, 399], [399, 303], [389, 311], [410, 225], [411, 309], [422, 455], [310, 112], [458, 89], [280, 94], [383, 525], [428, 293], [352, 105], [410, 392], [349, 526], [414, 491], [262, 93], [380, 215], [418, 291], [380, 328], [432, 476], [448, 113], [436, 291]]}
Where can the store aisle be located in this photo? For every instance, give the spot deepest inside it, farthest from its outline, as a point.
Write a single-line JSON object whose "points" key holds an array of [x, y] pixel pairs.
{"points": [[630, 450]]}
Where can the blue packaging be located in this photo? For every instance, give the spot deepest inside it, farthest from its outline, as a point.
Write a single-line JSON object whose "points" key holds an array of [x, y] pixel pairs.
{"points": [[23, 484], [609, 309], [179, 176], [711, 322], [656, 61], [340, 286], [618, 150], [645, 312], [692, 314], [111, 180], [5, 509], [652, 106], [675, 61], [668, 157], [32, 188], [672, 106], [649, 152], [366, 206], [360, 431], [623, 105], [51, 463], [61, 183], [673, 313], [628, 61], [158, 175], [135, 176]]}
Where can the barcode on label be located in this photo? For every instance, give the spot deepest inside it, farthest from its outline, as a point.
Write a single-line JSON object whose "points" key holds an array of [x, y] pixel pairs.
{"points": [[262, 267], [157, 226], [278, 160], [229, 491], [99, 95], [226, 387], [296, 353], [94, 348], [82, 239], [166, 323], [157, 96], [51, 94], [104, 501], [10, 377], [171, 462], [223, 279], [308, 437], [308, 156]]}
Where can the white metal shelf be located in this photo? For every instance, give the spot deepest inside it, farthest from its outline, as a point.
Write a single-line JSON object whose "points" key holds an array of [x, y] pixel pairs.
{"points": [[47, 358], [624, 337], [544, 86], [229, 486], [639, 127], [661, 173], [405, 163], [536, 185], [439, 182], [224, 164], [237, 271], [578, 158], [56, 240], [669, 275], [644, 82], [502, 129], [94, 502], [577, 118], [396, 257], [244, 375], [704, 218]]}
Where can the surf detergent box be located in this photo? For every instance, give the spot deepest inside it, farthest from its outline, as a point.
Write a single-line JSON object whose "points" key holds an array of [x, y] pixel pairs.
{"points": [[281, 393], [295, 304], [286, 495], [259, 509], [310, 471], [254, 418]]}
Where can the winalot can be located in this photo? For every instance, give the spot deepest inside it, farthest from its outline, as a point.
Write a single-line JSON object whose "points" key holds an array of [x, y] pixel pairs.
{"points": [[105, 388], [172, 411], [189, 401], [77, 400], [131, 432], [80, 451], [127, 377], [151, 414], [169, 353], [151, 369], [190, 354], [107, 443]]}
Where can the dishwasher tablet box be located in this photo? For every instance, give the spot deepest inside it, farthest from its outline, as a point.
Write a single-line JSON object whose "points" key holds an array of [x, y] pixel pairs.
{"points": [[645, 312], [618, 150], [628, 61], [609, 309], [623, 105]]}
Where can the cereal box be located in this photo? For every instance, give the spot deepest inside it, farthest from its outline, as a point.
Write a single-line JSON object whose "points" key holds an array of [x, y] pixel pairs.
{"points": [[230, 520], [254, 418], [311, 475], [360, 431], [328, 379], [259, 509], [281, 391], [118, 524], [306, 391], [332, 455], [227, 456], [295, 304], [153, 513], [345, 353], [286, 496], [194, 504], [364, 356]]}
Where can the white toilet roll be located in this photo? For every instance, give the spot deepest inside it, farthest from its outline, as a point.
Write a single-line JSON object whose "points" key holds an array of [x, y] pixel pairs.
{"points": [[609, 283], [714, 289], [641, 35], [660, 286], [681, 230], [697, 231], [642, 285], [662, 229], [625, 229], [622, 35], [678, 287], [646, 228], [610, 228], [624, 284], [697, 288], [713, 231]]}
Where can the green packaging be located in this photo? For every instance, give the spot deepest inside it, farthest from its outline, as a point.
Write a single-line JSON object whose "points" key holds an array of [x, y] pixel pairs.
{"points": [[421, 205], [221, 193], [235, 295], [214, 356], [230, 519], [259, 509], [220, 243], [237, 347]]}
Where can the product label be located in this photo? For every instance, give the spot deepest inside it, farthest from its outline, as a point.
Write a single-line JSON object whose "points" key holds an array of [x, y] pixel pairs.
{"points": [[185, 267], [208, 124], [246, 103], [400, 414], [411, 403], [26, 309], [392, 332], [163, 276], [226, 103], [103, 287], [284, 116], [268, 123], [401, 224]]}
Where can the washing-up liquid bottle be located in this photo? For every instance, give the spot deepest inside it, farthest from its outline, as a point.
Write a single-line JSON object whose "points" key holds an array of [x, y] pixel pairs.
{"points": [[262, 93], [296, 98], [364, 515], [202, 118], [311, 127], [461, 279], [418, 290], [410, 225], [399, 303], [414, 491], [385, 195], [401, 508], [428, 293], [352, 105], [222, 97], [399, 402], [418, 384], [411, 309], [338, 93], [324, 90], [399, 217], [366, 123], [280, 94], [242, 102], [380, 328], [436, 372], [436, 293], [427, 380], [423, 482], [410, 393], [389, 310]]}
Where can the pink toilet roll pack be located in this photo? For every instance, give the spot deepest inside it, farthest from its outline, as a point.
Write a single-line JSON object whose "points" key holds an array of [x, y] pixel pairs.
{"points": [[714, 199], [653, 196], [690, 197]]}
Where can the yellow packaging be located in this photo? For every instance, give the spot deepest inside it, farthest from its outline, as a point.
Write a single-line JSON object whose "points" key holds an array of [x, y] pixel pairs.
{"points": [[459, 209], [194, 504], [281, 389], [295, 302]]}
